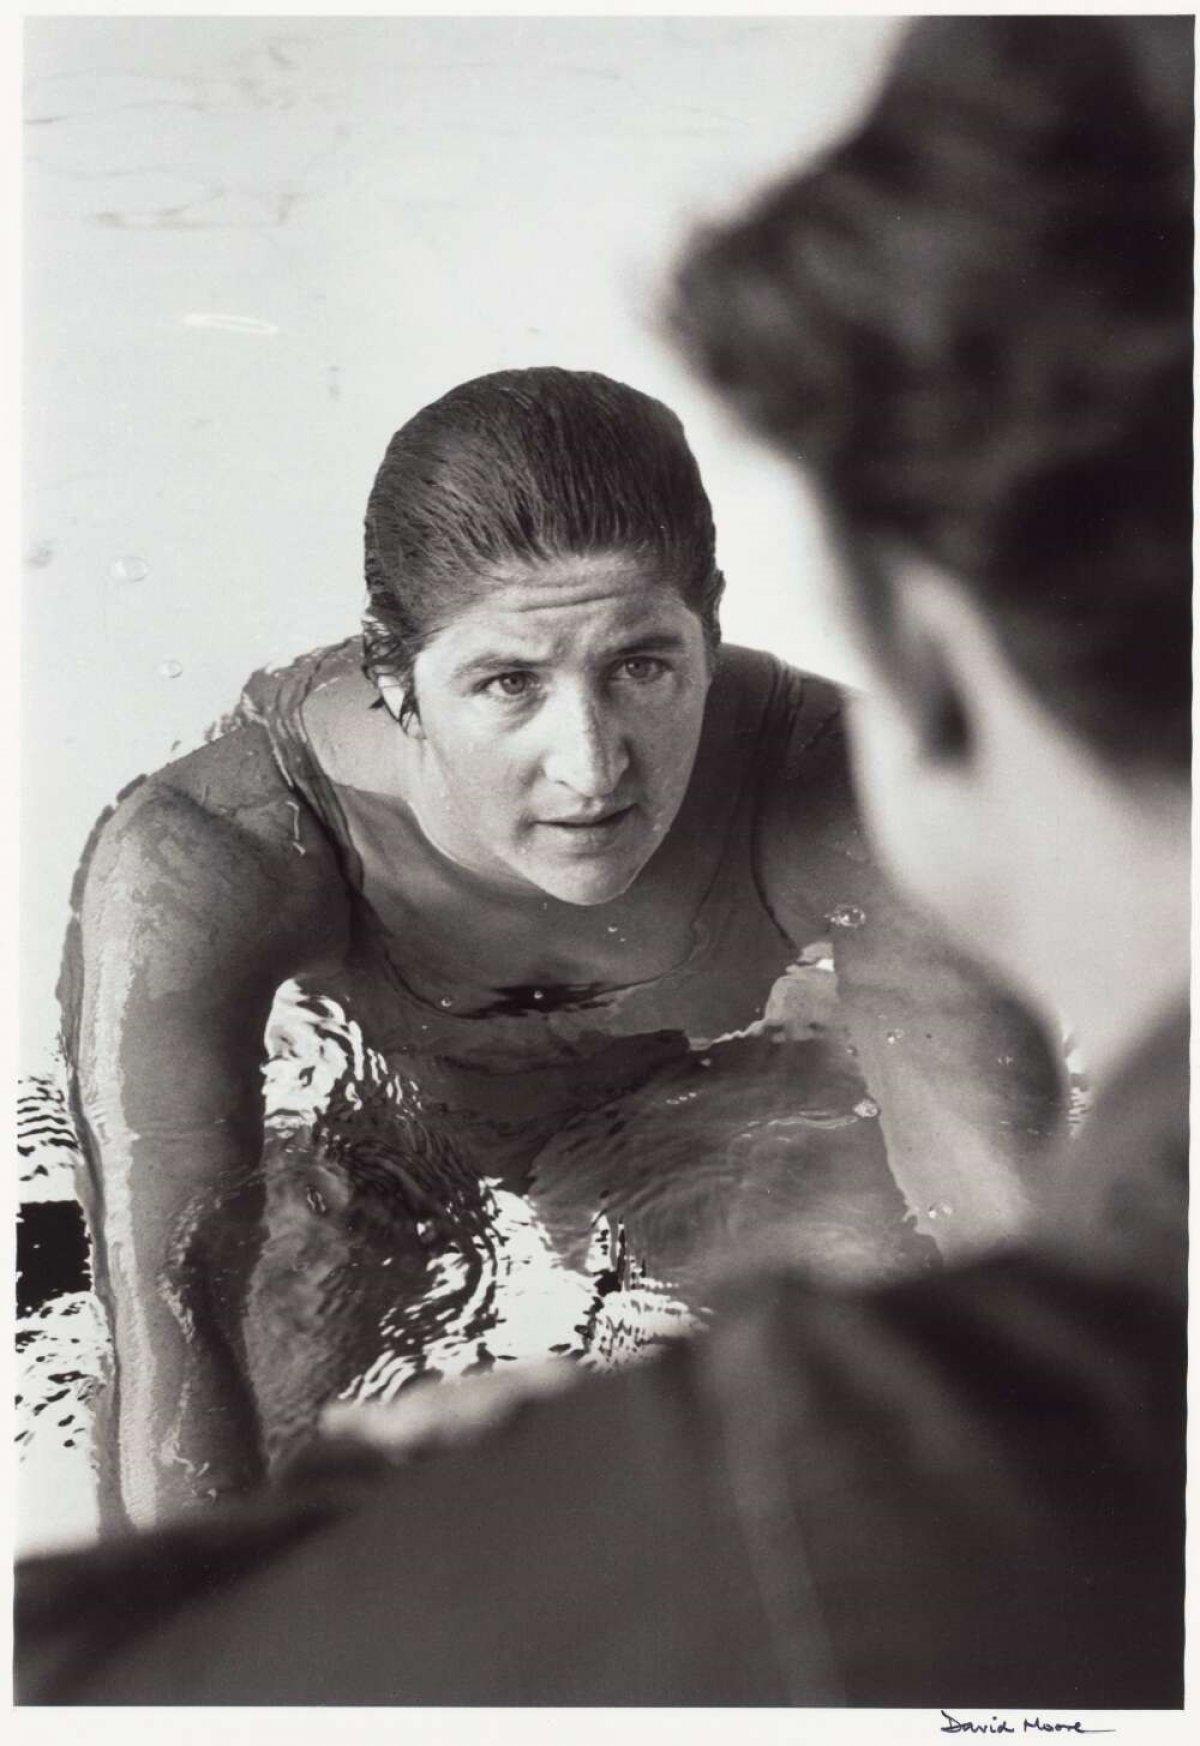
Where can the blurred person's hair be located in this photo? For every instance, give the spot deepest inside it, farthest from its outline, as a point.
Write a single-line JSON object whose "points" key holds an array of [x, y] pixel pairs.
{"points": [[972, 323], [524, 467]]}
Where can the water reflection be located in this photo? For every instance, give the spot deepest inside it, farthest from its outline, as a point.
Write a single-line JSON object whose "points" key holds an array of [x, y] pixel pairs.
{"points": [[387, 1259]]}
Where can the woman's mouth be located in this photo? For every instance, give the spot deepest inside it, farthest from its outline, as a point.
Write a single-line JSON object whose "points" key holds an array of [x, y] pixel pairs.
{"points": [[589, 830]]}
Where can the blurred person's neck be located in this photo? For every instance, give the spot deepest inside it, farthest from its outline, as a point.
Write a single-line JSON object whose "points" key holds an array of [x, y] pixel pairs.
{"points": [[1106, 948], [1069, 873], [1096, 919], [1090, 883]]}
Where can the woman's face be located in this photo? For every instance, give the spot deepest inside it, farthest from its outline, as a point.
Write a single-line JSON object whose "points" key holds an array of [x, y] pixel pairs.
{"points": [[559, 717]]}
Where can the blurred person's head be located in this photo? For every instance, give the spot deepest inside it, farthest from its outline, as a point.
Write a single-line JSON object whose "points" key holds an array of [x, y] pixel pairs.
{"points": [[542, 620], [971, 324]]}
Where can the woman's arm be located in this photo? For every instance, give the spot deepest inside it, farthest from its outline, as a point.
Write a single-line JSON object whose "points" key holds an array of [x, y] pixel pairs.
{"points": [[209, 885], [970, 1088]]}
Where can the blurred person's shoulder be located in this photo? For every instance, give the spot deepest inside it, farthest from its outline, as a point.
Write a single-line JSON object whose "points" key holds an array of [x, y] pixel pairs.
{"points": [[985, 1468], [985, 1474], [933, 1493], [1119, 1197]]}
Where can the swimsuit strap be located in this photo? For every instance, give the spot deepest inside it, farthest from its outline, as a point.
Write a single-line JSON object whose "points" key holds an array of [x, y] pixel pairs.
{"points": [[779, 716], [273, 698]]}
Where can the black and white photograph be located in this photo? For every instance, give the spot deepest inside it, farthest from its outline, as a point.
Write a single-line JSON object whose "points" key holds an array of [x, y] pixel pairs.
{"points": [[604, 926]]}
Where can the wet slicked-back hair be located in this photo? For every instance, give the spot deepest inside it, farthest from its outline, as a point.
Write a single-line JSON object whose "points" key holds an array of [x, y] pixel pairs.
{"points": [[972, 322], [522, 467]]}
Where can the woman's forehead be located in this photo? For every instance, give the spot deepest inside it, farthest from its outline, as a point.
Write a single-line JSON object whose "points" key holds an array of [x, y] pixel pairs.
{"points": [[569, 603], [575, 579]]}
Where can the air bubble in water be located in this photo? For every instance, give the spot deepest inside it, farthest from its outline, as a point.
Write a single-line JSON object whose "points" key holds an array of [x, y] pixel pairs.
{"points": [[130, 568], [170, 670], [537, 994], [941, 1211], [894, 1036], [847, 915], [612, 928], [445, 1001], [866, 1108]]}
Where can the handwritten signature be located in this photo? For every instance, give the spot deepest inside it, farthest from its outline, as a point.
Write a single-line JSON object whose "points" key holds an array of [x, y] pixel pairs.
{"points": [[1026, 1725]]}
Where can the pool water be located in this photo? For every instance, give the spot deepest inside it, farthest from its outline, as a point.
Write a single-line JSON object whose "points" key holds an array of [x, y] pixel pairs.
{"points": [[386, 1264]]}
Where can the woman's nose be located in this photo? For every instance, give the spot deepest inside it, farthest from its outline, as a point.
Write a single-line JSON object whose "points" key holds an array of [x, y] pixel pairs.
{"points": [[586, 750]]}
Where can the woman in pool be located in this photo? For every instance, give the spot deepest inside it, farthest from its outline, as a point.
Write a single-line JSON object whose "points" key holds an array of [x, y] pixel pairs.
{"points": [[544, 841]]}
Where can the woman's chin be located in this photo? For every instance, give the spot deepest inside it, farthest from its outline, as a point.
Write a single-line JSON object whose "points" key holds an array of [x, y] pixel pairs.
{"points": [[587, 884]]}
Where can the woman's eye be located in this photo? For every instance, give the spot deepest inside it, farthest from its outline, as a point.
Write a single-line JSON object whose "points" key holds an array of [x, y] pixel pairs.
{"points": [[510, 685], [641, 668]]}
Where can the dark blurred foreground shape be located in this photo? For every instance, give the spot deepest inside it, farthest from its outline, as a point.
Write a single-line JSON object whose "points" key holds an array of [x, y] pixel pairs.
{"points": [[962, 1491]]}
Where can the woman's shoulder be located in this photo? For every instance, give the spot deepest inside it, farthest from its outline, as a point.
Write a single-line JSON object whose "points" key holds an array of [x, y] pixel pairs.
{"points": [[808, 830], [322, 709], [275, 695], [234, 780], [210, 879], [221, 825], [796, 711]]}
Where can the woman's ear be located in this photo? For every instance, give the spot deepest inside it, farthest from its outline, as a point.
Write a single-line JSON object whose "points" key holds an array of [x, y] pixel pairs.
{"points": [[395, 695]]}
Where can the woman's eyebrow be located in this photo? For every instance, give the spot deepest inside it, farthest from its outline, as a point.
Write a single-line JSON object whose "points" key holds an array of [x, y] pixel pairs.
{"points": [[493, 661], [665, 640], [500, 660]]}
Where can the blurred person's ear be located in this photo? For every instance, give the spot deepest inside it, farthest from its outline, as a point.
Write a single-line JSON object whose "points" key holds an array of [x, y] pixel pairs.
{"points": [[996, 815], [906, 617], [937, 740], [923, 667]]}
